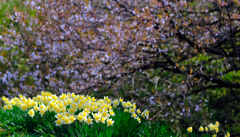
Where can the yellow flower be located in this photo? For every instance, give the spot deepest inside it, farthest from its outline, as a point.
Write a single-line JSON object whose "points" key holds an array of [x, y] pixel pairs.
{"points": [[129, 104], [42, 111], [58, 122], [80, 117], [60, 105], [73, 95], [217, 123], [97, 117], [85, 114], [211, 126], [5, 107], [103, 120], [189, 129], [42, 106], [139, 120], [134, 115], [13, 102], [201, 129], [72, 118], [120, 100], [138, 111], [131, 110], [100, 110], [228, 134], [109, 122], [87, 111], [91, 108], [105, 114], [24, 107], [112, 113], [217, 130], [36, 108], [58, 116], [89, 120], [31, 112], [115, 102], [109, 107], [206, 129], [71, 110], [58, 110], [214, 135], [79, 106], [67, 120], [63, 110], [9, 106], [134, 106], [125, 104], [4, 98]]}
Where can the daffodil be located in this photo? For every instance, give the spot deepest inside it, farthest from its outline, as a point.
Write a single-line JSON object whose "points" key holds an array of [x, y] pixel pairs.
{"points": [[206, 129], [134, 115], [9, 106], [42, 112], [31, 113], [5, 107], [211, 126], [217, 130], [189, 129], [131, 110], [112, 113], [80, 117], [217, 123], [214, 135], [58, 122], [88, 120], [115, 102], [138, 111], [105, 114], [58, 116], [228, 134], [120, 99], [97, 117], [110, 122], [67, 120], [139, 120], [71, 110], [103, 120], [24, 107], [125, 104], [201, 129], [72, 118]]}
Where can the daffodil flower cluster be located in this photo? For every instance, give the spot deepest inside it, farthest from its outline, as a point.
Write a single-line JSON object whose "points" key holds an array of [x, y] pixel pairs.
{"points": [[210, 127], [67, 105]]}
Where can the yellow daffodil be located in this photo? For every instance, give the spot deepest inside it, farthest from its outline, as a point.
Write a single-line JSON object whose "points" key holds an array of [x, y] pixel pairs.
{"points": [[214, 135], [58, 122], [201, 129], [89, 120], [189, 129], [31, 113], [110, 122], [217, 123]]}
